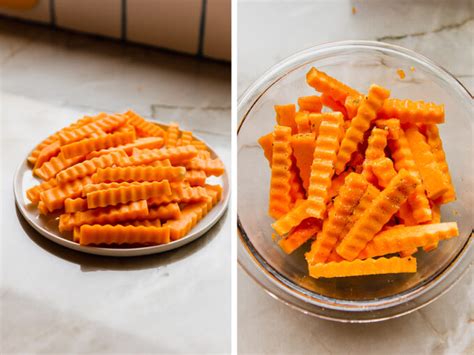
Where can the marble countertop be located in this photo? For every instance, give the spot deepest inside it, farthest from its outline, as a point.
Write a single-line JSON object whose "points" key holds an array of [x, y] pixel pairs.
{"points": [[55, 300], [270, 31]]}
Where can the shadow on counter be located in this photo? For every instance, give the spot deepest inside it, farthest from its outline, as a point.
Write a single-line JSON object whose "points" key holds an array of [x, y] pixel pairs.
{"points": [[89, 262]]}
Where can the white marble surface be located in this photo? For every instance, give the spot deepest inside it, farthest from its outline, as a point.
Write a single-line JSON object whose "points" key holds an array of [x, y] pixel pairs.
{"points": [[269, 31], [54, 300]]}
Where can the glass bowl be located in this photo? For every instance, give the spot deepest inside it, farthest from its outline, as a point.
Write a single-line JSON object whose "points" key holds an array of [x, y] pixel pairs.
{"points": [[353, 299]]}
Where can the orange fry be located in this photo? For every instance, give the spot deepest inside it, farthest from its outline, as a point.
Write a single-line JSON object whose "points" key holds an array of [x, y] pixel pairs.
{"points": [[378, 266], [108, 235]]}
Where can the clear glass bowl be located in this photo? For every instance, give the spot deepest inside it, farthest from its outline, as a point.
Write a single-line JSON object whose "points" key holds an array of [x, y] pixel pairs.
{"points": [[354, 299]]}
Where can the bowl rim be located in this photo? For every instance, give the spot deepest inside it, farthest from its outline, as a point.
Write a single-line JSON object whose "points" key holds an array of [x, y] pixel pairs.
{"points": [[348, 308]]}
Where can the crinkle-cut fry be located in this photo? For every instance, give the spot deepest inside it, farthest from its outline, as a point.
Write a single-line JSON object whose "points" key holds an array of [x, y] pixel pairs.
{"points": [[434, 141], [266, 142], [56, 164], [408, 111], [97, 234], [106, 215], [163, 212], [195, 177], [140, 143], [162, 163], [435, 183], [392, 125], [336, 184], [54, 137], [191, 215], [303, 149], [383, 170], [172, 135], [101, 133], [310, 103], [324, 158], [203, 154], [302, 122], [329, 86], [124, 194], [349, 195], [398, 239], [186, 138], [376, 144], [139, 174], [199, 144], [177, 155], [394, 265], [294, 217], [214, 192], [143, 127], [280, 198], [145, 223], [403, 159], [212, 167], [54, 198], [42, 208], [181, 195], [300, 235], [360, 124], [334, 105], [104, 124], [51, 150], [285, 116], [85, 146], [352, 105], [104, 186], [35, 153], [33, 193], [77, 204], [366, 200], [377, 214], [89, 167]]}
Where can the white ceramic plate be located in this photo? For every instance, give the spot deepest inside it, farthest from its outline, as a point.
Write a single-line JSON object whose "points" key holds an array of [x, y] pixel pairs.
{"points": [[48, 225]]}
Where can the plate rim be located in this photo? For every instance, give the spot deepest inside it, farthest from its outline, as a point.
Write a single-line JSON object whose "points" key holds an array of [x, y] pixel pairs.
{"points": [[123, 252]]}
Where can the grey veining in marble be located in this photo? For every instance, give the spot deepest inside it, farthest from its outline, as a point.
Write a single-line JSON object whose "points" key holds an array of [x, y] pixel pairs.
{"points": [[55, 300], [270, 31]]}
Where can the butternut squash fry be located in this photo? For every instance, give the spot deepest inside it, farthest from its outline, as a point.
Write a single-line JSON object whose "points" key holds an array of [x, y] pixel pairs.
{"points": [[346, 201], [398, 239], [408, 111], [329, 86], [108, 235], [280, 180], [300, 235], [378, 266], [124, 194], [436, 146], [324, 158], [143, 127], [107, 215], [85, 146], [434, 181], [139, 174]]}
